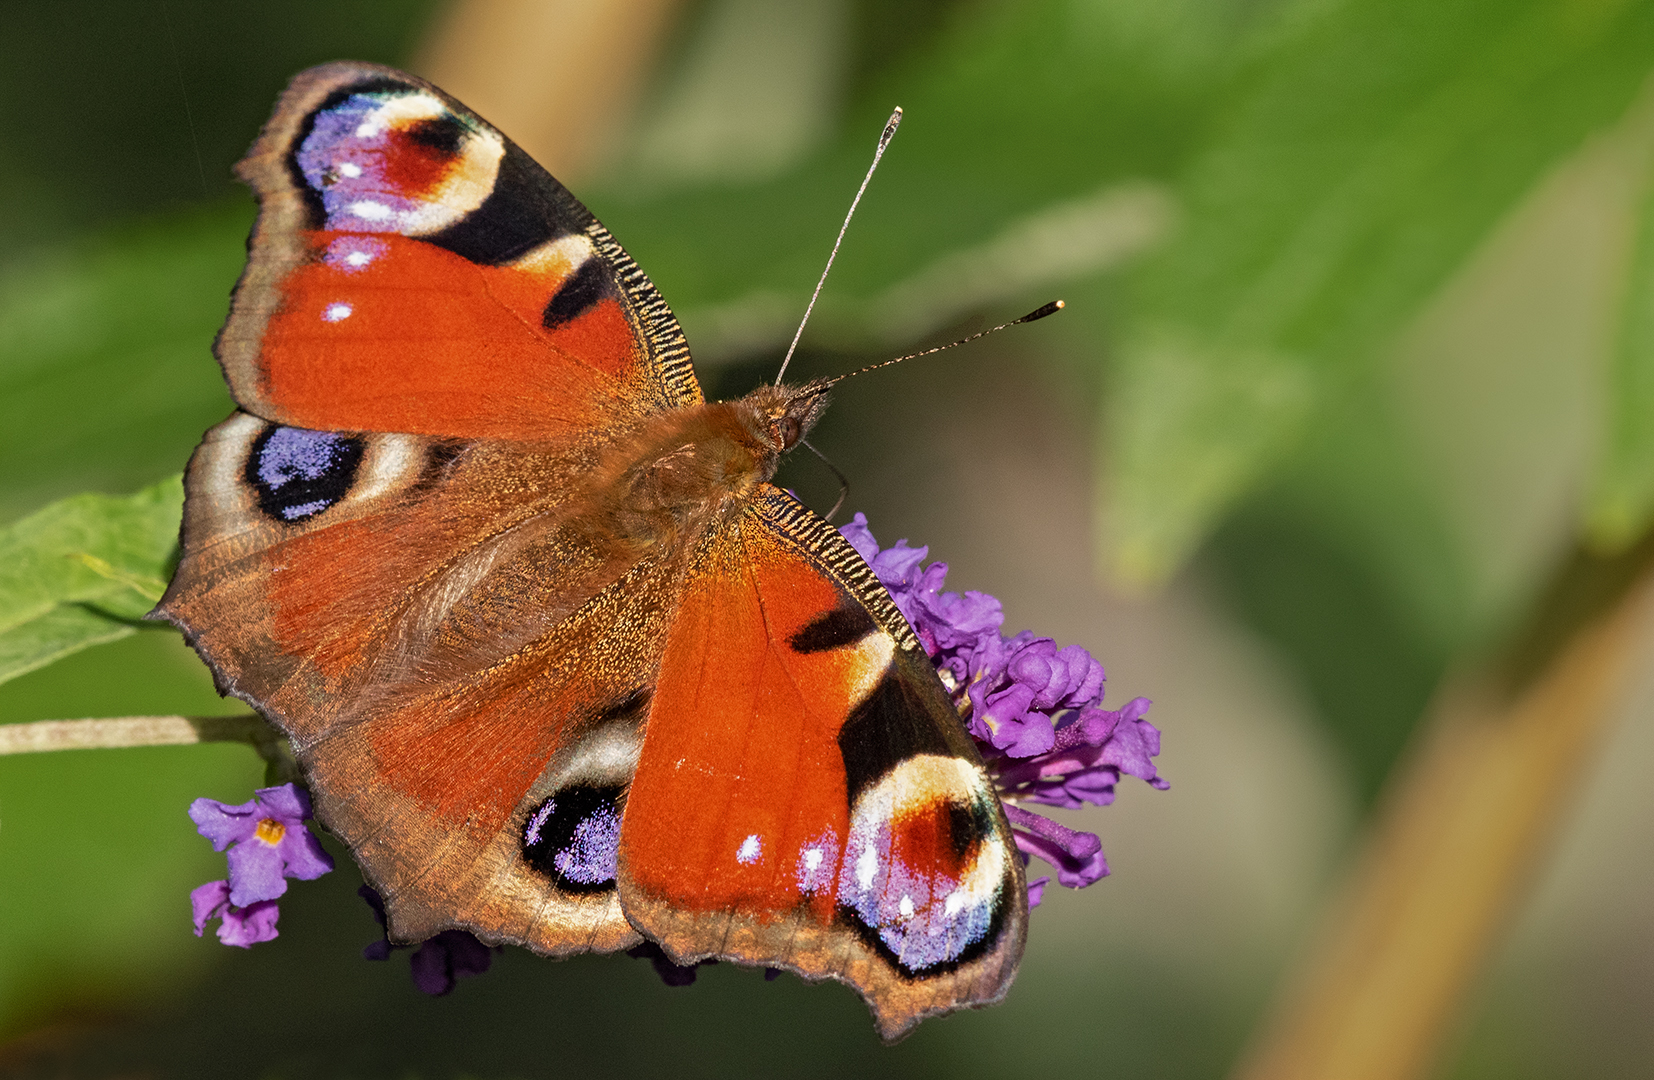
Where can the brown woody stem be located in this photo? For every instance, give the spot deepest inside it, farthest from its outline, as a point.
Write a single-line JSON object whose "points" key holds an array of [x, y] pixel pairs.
{"points": [[124, 731], [1465, 822]]}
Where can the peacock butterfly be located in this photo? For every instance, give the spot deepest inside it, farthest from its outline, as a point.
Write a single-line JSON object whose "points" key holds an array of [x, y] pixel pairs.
{"points": [[562, 666]]}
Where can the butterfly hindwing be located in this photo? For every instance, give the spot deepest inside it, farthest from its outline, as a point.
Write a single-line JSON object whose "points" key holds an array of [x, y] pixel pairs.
{"points": [[807, 797], [413, 270], [444, 653], [493, 803]]}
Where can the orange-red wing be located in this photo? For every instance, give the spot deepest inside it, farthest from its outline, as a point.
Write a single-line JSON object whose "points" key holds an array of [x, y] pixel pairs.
{"points": [[413, 270], [806, 796]]}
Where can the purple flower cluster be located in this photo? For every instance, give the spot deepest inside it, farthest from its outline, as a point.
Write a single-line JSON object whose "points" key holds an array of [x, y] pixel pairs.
{"points": [[271, 844], [1034, 710]]}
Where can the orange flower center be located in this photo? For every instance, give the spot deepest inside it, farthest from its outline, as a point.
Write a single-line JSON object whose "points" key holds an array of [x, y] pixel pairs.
{"points": [[271, 831]]}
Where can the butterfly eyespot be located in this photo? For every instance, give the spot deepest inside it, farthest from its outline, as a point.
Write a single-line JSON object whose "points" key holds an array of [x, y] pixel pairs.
{"points": [[573, 838], [389, 159], [297, 473], [443, 136], [925, 881]]}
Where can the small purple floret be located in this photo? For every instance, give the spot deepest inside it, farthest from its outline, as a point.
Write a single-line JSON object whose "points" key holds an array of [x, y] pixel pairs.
{"points": [[670, 973], [1035, 710], [1078, 856], [1036, 891], [242, 927], [271, 842]]}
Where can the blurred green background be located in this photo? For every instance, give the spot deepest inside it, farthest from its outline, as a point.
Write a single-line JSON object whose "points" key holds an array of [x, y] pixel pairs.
{"points": [[1359, 347]]}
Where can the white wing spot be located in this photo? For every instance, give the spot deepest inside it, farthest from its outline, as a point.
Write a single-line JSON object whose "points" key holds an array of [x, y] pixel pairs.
{"points": [[812, 859], [368, 210], [350, 169], [867, 867], [358, 258], [337, 312], [749, 850], [906, 907]]}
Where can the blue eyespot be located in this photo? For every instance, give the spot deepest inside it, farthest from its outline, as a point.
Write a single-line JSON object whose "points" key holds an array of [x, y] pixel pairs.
{"points": [[299, 473], [573, 838]]}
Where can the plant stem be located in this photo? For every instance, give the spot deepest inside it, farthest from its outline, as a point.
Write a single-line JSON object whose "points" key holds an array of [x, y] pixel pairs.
{"points": [[125, 731]]}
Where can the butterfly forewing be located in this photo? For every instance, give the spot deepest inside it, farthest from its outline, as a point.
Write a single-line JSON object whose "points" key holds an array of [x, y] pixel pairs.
{"points": [[413, 270], [807, 797]]}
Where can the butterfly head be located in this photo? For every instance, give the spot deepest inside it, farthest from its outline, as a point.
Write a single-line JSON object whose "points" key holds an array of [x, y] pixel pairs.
{"points": [[783, 415]]}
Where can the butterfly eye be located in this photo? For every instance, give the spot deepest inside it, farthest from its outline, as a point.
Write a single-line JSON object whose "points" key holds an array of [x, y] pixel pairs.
{"points": [[789, 430]]}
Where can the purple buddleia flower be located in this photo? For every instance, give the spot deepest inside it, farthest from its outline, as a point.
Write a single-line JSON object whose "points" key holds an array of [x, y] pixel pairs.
{"points": [[270, 844], [438, 962], [1035, 710]]}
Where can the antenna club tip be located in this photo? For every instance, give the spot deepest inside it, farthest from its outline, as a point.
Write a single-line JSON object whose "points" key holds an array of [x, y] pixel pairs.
{"points": [[1039, 313]]}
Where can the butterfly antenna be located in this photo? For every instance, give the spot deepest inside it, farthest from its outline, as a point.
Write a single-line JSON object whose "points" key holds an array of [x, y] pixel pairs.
{"points": [[843, 481], [1033, 316], [884, 141]]}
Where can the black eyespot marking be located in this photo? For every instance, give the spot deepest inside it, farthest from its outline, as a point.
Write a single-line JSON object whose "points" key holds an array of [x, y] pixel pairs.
{"points": [[518, 216], [443, 454], [573, 838], [834, 630], [967, 826], [439, 458], [377, 84], [443, 135], [885, 730], [298, 473], [585, 287]]}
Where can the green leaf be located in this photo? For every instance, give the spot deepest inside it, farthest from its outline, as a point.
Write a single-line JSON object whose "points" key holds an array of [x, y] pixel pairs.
{"points": [[82, 572], [1036, 132], [1242, 403], [1621, 507], [1369, 151]]}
